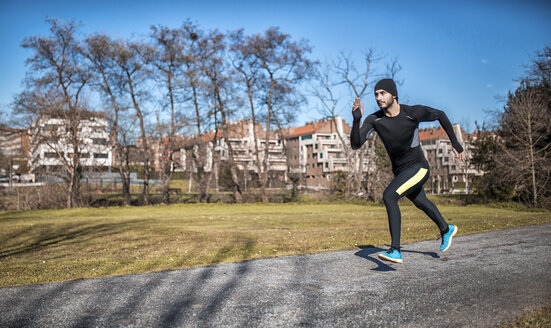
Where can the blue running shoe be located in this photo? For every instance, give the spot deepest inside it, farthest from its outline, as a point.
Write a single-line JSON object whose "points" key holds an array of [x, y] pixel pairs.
{"points": [[392, 255], [447, 238]]}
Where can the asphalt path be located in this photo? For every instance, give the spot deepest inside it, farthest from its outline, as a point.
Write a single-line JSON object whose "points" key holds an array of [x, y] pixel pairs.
{"points": [[481, 281]]}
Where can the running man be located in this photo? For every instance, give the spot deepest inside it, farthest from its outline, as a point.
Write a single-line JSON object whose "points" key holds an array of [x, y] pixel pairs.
{"points": [[397, 126]]}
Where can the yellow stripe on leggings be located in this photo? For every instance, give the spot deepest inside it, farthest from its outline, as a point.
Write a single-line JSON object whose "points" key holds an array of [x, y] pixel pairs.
{"points": [[412, 181]]}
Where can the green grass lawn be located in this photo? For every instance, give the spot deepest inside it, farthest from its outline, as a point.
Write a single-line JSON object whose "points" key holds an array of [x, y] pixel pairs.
{"points": [[56, 245]]}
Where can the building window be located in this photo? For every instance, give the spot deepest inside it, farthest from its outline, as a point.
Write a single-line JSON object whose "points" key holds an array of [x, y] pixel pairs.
{"points": [[439, 151], [316, 146], [326, 165], [50, 155], [306, 137], [321, 155], [99, 141], [453, 167], [100, 155]]}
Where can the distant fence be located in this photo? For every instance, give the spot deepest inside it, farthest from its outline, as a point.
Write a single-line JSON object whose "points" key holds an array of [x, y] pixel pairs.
{"points": [[22, 184], [103, 178]]}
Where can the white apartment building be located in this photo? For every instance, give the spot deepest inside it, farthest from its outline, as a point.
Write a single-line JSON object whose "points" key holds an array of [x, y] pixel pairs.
{"points": [[51, 146]]}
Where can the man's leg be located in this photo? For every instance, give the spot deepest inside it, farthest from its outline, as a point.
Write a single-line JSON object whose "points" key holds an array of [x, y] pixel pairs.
{"points": [[407, 181], [419, 198]]}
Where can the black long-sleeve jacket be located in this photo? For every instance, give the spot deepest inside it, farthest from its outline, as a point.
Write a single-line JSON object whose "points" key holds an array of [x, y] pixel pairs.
{"points": [[400, 134]]}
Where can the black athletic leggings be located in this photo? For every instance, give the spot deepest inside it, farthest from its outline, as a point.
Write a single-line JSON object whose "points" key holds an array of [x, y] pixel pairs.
{"points": [[409, 182]]}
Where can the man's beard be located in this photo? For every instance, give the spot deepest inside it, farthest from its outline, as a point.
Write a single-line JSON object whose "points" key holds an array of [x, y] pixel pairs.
{"points": [[386, 105]]}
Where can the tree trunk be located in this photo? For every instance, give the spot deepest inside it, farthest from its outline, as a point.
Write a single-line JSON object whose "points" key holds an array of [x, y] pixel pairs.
{"points": [[70, 191], [255, 140], [126, 189], [145, 148], [235, 177], [532, 164], [199, 160], [167, 169], [266, 163]]}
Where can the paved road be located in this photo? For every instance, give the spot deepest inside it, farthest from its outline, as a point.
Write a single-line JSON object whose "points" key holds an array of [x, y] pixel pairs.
{"points": [[482, 280]]}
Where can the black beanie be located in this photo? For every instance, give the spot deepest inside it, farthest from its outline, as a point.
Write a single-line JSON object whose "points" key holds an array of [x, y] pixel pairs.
{"points": [[388, 85]]}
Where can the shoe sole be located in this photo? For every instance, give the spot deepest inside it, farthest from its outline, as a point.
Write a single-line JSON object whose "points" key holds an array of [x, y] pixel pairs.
{"points": [[382, 257], [451, 238]]}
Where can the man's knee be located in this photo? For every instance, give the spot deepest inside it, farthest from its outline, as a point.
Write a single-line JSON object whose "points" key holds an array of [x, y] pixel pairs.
{"points": [[418, 203], [422, 202], [390, 195]]}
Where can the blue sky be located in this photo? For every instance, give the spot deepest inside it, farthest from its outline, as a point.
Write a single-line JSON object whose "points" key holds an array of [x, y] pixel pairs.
{"points": [[459, 56]]}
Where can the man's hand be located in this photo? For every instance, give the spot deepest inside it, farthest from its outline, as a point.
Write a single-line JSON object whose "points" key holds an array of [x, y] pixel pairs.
{"points": [[460, 155], [355, 112]]}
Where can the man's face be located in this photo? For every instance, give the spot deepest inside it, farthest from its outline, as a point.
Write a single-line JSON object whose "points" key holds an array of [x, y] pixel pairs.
{"points": [[384, 99]]}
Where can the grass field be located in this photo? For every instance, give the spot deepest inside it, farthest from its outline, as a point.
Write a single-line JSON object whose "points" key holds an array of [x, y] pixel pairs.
{"points": [[56, 245], [540, 318]]}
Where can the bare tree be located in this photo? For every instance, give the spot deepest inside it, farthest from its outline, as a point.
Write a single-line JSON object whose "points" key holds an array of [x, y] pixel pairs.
{"points": [[108, 81], [539, 71], [55, 92], [247, 70], [324, 91], [515, 154], [343, 72], [169, 62], [284, 64], [525, 127], [219, 88], [131, 60], [203, 142]]}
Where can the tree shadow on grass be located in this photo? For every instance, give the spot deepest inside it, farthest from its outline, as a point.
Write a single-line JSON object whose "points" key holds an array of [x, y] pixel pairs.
{"points": [[120, 300], [66, 235], [368, 252]]}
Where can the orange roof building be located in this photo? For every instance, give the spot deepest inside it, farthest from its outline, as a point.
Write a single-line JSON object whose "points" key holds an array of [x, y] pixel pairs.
{"points": [[448, 174]]}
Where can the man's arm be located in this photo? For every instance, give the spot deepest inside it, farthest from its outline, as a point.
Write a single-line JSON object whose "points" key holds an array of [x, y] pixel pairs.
{"points": [[359, 135], [428, 114]]}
